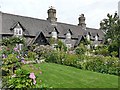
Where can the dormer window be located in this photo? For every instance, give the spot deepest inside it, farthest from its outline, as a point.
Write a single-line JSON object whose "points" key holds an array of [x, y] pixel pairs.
{"points": [[96, 37], [18, 31], [54, 34], [68, 35], [88, 37]]}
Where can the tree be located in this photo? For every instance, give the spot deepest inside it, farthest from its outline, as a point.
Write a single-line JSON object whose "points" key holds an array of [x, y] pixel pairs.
{"points": [[111, 28]]}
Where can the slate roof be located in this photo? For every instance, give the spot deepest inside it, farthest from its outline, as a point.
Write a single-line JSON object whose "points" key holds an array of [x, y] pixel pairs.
{"points": [[79, 39], [33, 25]]}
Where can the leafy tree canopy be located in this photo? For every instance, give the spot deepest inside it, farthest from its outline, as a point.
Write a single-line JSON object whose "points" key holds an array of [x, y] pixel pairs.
{"points": [[111, 27]]}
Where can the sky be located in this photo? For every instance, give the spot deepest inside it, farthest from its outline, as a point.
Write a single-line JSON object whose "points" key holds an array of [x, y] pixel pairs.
{"points": [[68, 11]]}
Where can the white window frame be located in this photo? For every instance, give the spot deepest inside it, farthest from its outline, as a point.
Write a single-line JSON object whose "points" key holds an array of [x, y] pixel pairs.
{"points": [[54, 34], [96, 38], [68, 36], [18, 31]]}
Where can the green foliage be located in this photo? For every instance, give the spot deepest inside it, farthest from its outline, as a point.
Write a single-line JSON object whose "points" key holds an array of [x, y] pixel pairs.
{"points": [[80, 50], [9, 63], [10, 59], [111, 27], [31, 55], [13, 41], [102, 51], [52, 41], [101, 64], [55, 57], [70, 60], [20, 80], [61, 45], [42, 51], [114, 53], [13, 75], [113, 47]]}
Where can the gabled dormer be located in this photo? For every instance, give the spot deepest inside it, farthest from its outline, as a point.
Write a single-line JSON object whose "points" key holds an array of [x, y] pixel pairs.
{"points": [[68, 34], [88, 36], [17, 29], [96, 37], [54, 33]]}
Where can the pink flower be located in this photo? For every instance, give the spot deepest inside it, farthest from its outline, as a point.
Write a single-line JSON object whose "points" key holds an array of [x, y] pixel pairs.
{"points": [[15, 49], [34, 81], [32, 76]]}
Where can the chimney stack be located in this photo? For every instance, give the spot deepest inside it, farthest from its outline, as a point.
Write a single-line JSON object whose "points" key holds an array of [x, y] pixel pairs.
{"points": [[52, 15], [82, 21]]}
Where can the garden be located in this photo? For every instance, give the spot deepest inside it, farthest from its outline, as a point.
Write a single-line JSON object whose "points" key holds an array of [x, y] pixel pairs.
{"points": [[41, 66]]}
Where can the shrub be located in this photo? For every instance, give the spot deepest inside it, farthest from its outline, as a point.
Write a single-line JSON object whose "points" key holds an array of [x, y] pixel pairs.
{"points": [[80, 50], [114, 53], [31, 55], [70, 60], [55, 57], [101, 64]]}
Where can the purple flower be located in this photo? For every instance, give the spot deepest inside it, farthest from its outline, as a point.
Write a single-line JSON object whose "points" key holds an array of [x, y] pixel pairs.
{"points": [[23, 61], [18, 56], [32, 76], [3, 56]]}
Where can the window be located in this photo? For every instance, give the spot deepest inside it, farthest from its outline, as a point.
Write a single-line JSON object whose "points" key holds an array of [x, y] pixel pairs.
{"points": [[18, 31], [88, 37], [54, 34], [68, 36], [96, 37]]}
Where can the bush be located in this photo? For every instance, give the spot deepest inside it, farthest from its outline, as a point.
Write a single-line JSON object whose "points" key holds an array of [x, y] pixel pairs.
{"points": [[101, 64], [114, 53], [55, 57], [70, 60], [80, 50], [31, 55], [108, 64]]}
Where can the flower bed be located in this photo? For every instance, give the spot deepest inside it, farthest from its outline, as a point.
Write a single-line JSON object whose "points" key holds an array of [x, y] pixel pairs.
{"points": [[108, 64]]}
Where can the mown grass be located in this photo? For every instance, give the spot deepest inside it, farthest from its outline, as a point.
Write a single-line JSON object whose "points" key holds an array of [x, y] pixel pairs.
{"points": [[60, 76]]}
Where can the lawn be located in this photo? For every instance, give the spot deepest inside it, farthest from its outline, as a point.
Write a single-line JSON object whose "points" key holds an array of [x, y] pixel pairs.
{"points": [[60, 76]]}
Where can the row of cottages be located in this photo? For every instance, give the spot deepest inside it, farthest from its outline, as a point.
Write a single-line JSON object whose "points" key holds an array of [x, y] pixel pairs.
{"points": [[40, 31]]}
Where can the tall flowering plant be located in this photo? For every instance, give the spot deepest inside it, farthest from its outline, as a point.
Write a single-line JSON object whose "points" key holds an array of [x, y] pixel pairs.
{"points": [[32, 76]]}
